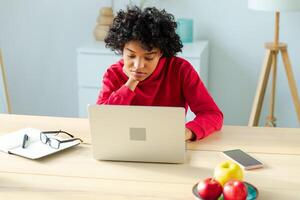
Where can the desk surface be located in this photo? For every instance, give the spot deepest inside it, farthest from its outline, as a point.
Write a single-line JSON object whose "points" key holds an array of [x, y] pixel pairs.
{"points": [[75, 174], [250, 139]]}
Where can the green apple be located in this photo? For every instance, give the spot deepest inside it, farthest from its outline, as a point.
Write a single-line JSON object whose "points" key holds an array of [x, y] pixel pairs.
{"points": [[228, 170]]}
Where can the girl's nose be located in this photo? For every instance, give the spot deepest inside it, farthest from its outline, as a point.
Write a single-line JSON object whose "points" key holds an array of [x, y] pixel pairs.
{"points": [[138, 64]]}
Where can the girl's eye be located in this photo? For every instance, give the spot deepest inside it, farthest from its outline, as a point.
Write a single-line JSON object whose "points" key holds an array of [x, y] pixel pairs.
{"points": [[131, 56], [146, 58]]}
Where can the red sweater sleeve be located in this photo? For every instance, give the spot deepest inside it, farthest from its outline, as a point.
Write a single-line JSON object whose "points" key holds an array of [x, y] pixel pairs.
{"points": [[209, 117], [113, 93]]}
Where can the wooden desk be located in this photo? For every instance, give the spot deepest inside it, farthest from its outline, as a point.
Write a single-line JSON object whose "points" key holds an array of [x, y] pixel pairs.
{"points": [[75, 174], [252, 139]]}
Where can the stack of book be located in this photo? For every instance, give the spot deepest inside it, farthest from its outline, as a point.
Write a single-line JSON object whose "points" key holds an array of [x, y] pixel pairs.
{"points": [[104, 21]]}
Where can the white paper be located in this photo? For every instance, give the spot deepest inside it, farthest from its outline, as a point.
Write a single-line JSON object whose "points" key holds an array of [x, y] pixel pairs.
{"points": [[12, 143], [15, 139]]}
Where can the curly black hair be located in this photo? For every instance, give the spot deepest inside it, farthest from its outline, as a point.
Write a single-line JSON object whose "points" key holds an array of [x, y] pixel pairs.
{"points": [[152, 27]]}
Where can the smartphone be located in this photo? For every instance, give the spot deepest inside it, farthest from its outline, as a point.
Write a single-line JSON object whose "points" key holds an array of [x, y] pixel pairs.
{"points": [[243, 159]]}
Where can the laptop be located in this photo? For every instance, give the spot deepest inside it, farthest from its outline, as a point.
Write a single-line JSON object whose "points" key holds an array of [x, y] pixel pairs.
{"points": [[137, 133]]}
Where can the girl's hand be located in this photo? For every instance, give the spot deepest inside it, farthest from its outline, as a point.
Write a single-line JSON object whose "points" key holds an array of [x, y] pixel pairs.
{"points": [[188, 135], [131, 82]]}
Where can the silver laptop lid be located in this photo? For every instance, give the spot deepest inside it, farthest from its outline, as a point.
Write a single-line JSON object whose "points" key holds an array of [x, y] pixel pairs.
{"points": [[138, 133]]}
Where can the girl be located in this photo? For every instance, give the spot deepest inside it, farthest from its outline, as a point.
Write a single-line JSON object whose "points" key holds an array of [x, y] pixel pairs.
{"points": [[151, 75]]}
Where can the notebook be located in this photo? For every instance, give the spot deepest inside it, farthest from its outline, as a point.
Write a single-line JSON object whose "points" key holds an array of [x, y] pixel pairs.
{"points": [[12, 143]]}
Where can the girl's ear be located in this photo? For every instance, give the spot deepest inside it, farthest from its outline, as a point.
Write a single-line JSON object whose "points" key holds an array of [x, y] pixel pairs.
{"points": [[160, 54]]}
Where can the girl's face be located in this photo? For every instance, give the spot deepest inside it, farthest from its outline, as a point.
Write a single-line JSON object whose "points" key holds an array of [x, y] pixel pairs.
{"points": [[138, 62]]}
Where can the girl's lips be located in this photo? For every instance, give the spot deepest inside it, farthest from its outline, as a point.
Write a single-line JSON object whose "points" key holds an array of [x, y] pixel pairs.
{"points": [[138, 74]]}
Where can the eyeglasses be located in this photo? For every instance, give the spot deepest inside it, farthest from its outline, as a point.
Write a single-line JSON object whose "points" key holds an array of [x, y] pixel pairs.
{"points": [[53, 142]]}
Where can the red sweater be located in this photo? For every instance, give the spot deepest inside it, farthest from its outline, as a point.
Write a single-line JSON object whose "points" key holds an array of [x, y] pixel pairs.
{"points": [[173, 83]]}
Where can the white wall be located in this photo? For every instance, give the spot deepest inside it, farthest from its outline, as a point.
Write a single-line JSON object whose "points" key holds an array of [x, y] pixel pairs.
{"points": [[39, 39]]}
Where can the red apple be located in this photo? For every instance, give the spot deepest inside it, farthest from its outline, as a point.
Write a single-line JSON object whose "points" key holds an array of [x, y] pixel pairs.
{"points": [[209, 189], [235, 190]]}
